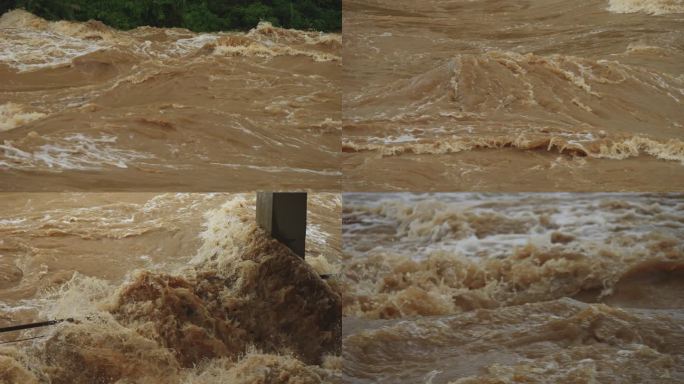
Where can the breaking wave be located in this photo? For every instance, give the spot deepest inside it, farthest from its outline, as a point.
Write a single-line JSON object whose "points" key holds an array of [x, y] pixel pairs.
{"points": [[484, 288], [246, 310]]}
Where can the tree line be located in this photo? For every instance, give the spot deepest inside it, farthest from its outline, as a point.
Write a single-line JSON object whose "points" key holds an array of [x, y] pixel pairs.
{"points": [[196, 15]]}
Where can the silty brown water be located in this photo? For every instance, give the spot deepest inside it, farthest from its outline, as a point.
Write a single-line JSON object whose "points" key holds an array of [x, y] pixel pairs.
{"points": [[84, 106], [486, 288], [171, 287], [542, 95]]}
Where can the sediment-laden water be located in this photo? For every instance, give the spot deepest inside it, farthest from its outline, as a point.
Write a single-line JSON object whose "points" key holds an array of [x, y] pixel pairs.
{"points": [[488, 288], [84, 106], [542, 95], [165, 288]]}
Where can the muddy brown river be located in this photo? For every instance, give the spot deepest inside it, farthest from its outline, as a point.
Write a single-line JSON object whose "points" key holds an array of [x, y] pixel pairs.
{"points": [[486, 288], [87, 107], [513, 95]]}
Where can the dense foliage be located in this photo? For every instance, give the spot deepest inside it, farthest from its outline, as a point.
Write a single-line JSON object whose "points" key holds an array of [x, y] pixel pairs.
{"points": [[197, 15]]}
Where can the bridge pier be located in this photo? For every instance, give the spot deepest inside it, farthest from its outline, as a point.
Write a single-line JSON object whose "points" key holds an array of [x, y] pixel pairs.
{"points": [[283, 216]]}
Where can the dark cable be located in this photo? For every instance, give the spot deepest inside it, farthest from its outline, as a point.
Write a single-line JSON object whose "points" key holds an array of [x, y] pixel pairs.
{"points": [[33, 325]]}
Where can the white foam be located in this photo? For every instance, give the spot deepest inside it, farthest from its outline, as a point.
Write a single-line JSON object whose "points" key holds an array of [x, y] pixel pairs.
{"points": [[653, 7], [30, 50], [589, 217], [8, 222], [405, 138], [78, 152], [276, 169], [14, 115], [225, 231], [316, 235]]}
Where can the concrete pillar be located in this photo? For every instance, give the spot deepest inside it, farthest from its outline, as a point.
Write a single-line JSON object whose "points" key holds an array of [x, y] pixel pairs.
{"points": [[283, 216]]}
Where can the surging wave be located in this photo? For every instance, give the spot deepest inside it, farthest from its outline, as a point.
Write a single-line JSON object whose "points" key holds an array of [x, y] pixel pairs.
{"points": [[412, 256], [246, 303], [29, 43], [488, 288], [603, 149], [76, 152], [497, 82], [268, 41], [530, 102], [560, 341], [165, 103], [390, 286]]}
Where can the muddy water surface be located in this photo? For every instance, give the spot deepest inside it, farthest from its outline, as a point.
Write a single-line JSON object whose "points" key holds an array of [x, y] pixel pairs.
{"points": [[165, 288], [540, 95], [475, 288], [84, 106]]}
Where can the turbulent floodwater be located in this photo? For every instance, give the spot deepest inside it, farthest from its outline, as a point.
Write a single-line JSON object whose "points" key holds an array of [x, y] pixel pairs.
{"points": [[165, 288], [476, 288], [540, 95], [85, 106]]}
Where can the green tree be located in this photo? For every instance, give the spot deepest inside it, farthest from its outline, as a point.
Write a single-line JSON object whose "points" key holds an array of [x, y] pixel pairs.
{"points": [[197, 15]]}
